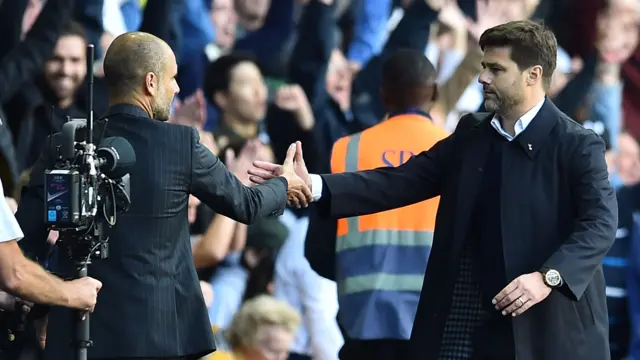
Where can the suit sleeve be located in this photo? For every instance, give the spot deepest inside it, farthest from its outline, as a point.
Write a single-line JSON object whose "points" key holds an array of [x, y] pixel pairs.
{"points": [[596, 218], [386, 188], [214, 185]]}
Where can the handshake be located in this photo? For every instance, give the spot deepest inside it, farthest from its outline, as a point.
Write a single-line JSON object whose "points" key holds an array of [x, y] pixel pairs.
{"points": [[293, 169]]}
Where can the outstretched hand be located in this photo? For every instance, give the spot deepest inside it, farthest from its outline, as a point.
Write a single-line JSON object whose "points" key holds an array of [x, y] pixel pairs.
{"points": [[293, 169]]}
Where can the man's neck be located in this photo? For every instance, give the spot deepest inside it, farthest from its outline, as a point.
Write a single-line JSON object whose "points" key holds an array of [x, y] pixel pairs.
{"points": [[131, 100], [244, 129], [510, 118], [65, 103]]}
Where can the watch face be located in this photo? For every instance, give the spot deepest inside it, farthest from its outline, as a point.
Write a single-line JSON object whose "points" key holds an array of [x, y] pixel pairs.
{"points": [[552, 278]]}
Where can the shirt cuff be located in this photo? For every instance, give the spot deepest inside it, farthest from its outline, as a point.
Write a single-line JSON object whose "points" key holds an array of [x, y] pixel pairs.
{"points": [[316, 186]]}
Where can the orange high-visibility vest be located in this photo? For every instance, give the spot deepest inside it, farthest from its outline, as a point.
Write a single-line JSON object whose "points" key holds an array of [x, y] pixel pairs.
{"points": [[381, 258]]}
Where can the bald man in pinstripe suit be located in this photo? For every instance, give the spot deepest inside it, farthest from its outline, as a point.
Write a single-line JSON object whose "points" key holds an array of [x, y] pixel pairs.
{"points": [[151, 306]]}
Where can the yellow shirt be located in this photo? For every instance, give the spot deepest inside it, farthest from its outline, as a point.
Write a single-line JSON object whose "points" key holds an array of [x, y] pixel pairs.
{"points": [[224, 355]]}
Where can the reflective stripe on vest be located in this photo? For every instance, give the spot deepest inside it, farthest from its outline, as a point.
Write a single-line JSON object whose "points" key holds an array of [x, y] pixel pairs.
{"points": [[379, 270]]}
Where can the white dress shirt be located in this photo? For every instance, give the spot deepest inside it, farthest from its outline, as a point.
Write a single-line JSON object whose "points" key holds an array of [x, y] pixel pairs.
{"points": [[9, 228], [520, 126], [313, 296]]}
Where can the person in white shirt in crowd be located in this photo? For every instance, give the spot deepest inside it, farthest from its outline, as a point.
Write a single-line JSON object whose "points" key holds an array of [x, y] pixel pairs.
{"points": [[313, 296]]}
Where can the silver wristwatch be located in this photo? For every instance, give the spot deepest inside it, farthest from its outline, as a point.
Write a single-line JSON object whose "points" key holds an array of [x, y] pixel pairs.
{"points": [[551, 278]]}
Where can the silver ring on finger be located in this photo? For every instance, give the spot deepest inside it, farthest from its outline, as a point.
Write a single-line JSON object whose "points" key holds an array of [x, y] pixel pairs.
{"points": [[520, 301]]}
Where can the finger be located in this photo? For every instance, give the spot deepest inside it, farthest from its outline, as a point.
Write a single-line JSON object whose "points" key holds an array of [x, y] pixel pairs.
{"points": [[266, 175], [506, 291], [522, 309], [291, 153], [515, 305], [199, 95], [299, 158], [293, 199], [264, 165], [303, 196], [307, 194], [470, 22], [257, 180], [507, 300], [300, 197], [229, 156]]}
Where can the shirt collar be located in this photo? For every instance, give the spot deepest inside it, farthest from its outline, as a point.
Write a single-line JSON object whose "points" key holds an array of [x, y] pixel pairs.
{"points": [[520, 125], [409, 111], [128, 109]]}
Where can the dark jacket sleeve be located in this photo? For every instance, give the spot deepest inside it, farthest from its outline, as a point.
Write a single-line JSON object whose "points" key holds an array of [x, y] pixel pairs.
{"points": [[162, 19], [596, 218], [11, 15], [320, 244], [217, 187], [88, 13], [372, 191]]}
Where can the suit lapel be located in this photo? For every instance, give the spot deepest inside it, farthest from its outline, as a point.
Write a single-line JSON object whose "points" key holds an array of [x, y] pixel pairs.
{"points": [[473, 160], [536, 134]]}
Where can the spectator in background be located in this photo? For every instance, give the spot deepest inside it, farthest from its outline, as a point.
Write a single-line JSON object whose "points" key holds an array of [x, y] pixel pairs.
{"points": [[234, 83], [262, 329], [627, 160], [63, 75], [247, 267], [225, 21], [252, 13]]}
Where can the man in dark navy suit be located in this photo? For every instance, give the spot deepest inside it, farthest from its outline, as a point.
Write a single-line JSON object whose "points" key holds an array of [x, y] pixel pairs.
{"points": [[526, 216], [151, 306]]}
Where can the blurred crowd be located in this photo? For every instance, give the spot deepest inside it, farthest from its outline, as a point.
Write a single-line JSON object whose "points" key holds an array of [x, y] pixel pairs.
{"points": [[257, 75]]}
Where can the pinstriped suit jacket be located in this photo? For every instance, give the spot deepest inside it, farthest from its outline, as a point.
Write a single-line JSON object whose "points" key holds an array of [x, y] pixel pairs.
{"points": [[151, 303]]}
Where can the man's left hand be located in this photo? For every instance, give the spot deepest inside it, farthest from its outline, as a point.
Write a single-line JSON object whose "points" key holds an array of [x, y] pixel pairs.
{"points": [[521, 294]]}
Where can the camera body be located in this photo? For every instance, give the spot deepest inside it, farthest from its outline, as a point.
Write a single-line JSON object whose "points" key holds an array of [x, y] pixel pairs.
{"points": [[67, 198], [86, 189]]}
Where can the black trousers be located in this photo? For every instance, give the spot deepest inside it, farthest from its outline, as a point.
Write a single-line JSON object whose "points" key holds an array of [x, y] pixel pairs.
{"points": [[383, 349]]}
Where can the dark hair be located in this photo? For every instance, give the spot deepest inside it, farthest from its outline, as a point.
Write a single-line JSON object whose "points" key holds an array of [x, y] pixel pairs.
{"points": [[128, 60], [73, 28], [408, 79], [218, 75], [531, 44], [260, 276]]}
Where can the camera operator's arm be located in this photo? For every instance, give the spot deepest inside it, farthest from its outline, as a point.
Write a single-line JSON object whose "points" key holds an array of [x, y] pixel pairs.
{"points": [[214, 185], [21, 276]]}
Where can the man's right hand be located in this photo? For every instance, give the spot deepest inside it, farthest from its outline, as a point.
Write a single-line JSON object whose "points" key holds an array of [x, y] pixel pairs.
{"points": [[83, 293], [293, 169]]}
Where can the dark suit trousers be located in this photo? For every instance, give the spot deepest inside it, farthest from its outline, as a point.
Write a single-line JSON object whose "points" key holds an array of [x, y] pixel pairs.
{"points": [[383, 349]]}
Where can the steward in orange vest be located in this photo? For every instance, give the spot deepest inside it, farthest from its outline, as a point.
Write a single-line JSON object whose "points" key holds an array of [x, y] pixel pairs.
{"points": [[380, 259]]}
